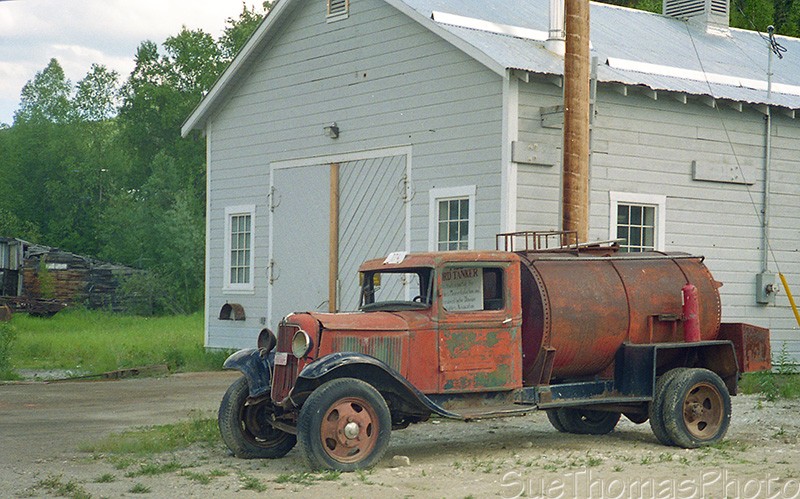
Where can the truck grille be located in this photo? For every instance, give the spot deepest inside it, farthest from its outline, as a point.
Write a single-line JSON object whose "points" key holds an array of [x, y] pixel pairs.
{"points": [[284, 376], [388, 349]]}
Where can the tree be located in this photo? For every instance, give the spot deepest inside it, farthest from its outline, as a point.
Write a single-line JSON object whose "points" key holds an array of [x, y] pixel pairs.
{"points": [[97, 96], [238, 31], [46, 97]]}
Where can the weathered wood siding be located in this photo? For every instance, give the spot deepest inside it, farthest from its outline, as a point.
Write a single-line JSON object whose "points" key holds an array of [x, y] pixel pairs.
{"points": [[647, 146], [387, 82]]}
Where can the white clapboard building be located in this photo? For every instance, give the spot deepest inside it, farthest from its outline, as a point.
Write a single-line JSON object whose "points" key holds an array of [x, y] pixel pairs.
{"points": [[441, 121]]}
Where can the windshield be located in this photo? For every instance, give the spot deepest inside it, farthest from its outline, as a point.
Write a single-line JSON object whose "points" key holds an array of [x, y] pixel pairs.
{"points": [[402, 289]]}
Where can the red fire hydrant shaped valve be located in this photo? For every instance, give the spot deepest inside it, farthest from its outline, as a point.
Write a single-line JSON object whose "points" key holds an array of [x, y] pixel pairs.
{"points": [[691, 314]]}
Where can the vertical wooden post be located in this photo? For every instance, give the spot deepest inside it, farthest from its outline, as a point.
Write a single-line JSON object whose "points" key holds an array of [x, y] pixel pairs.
{"points": [[333, 263], [575, 207]]}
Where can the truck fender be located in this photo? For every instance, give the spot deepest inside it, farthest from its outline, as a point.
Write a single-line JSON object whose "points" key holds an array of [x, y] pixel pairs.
{"points": [[370, 370], [256, 366]]}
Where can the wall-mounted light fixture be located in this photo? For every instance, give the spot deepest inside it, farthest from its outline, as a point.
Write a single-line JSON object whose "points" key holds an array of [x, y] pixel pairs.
{"points": [[332, 130]]}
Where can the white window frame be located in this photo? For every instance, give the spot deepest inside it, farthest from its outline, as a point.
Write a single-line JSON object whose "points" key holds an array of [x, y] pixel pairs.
{"points": [[654, 200], [230, 212], [449, 194]]}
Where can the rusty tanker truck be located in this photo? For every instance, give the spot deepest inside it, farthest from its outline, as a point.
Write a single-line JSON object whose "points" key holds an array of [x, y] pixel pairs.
{"points": [[583, 332]]}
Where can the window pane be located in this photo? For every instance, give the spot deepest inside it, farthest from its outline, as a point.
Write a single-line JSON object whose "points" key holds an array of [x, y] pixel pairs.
{"points": [[636, 215], [240, 247], [636, 226], [635, 237], [650, 215], [463, 229], [648, 238], [623, 214], [453, 224]]}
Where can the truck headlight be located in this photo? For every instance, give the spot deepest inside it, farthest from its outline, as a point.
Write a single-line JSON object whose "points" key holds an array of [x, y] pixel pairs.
{"points": [[301, 344], [267, 340]]}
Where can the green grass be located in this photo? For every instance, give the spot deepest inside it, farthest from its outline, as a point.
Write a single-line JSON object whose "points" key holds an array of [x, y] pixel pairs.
{"points": [[92, 342], [56, 485], [153, 469], [157, 439]]}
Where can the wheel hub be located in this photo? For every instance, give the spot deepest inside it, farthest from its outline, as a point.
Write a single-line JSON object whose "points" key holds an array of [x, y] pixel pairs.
{"points": [[351, 430]]}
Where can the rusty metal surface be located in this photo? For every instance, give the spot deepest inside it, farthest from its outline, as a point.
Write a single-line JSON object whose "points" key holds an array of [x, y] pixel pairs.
{"points": [[358, 321], [285, 373], [751, 344], [586, 307]]}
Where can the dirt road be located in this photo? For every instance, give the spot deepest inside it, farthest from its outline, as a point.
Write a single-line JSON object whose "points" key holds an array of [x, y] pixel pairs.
{"points": [[42, 425]]}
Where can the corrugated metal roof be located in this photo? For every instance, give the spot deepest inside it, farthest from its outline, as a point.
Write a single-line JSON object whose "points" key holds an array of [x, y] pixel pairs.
{"points": [[636, 37]]}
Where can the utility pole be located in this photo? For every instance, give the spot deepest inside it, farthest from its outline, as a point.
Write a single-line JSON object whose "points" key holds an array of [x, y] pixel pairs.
{"points": [[575, 207]]}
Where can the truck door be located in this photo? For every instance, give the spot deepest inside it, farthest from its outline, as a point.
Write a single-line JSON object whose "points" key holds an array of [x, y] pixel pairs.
{"points": [[479, 329]]}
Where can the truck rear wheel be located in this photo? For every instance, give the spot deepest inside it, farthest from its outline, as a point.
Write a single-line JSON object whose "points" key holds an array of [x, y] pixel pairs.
{"points": [[657, 405], [552, 416], [697, 408], [587, 421], [245, 428], [344, 425]]}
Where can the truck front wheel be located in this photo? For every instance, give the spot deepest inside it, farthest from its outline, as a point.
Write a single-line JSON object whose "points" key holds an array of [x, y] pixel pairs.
{"points": [[245, 428], [344, 425], [697, 408]]}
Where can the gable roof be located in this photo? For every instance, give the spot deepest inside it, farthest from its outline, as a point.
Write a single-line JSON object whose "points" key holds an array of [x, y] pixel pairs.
{"points": [[634, 48]]}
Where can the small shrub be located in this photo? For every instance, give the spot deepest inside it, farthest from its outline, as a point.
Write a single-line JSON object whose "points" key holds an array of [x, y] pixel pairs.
{"points": [[155, 439], [252, 483], [56, 485], [139, 489], [7, 337], [105, 478], [152, 469]]}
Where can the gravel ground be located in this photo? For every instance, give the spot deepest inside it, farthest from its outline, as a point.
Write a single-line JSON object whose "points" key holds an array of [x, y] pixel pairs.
{"points": [[42, 425]]}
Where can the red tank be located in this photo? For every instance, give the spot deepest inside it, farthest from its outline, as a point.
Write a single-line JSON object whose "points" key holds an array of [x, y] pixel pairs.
{"points": [[578, 309]]}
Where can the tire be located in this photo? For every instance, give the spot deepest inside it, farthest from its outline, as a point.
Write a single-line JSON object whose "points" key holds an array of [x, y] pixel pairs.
{"points": [[244, 428], [344, 425], [587, 421], [552, 416], [636, 417], [657, 405], [697, 409]]}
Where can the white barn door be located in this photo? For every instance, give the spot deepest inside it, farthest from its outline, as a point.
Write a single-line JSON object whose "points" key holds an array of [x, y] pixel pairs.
{"points": [[371, 223], [298, 268], [372, 218]]}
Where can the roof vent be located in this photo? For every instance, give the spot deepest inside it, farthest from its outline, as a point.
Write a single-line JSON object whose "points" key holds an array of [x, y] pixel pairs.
{"points": [[714, 14], [338, 9]]}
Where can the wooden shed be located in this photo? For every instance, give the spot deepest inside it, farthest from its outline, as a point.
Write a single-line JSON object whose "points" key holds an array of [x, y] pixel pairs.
{"points": [[35, 272]]}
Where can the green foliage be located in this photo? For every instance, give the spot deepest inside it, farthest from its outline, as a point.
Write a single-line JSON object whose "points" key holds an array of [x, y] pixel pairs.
{"points": [[47, 283], [45, 99], [158, 439], [154, 468], [250, 482], [139, 488], [7, 337], [97, 342], [12, 226], [238, 31], [57, 486], [100, 169], [782, 382]]}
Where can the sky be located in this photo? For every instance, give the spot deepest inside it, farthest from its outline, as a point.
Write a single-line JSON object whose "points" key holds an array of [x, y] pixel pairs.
{"points": [[81, 32]]}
